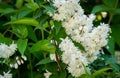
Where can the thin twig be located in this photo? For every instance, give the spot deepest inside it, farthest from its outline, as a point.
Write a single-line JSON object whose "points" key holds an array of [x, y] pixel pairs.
{"points": [[56, 55], [111, 15], [54, 42], [6, 30]]}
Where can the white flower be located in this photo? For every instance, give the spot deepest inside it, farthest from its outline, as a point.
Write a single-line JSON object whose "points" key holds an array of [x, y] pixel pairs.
{"points": [[24, 57], [6, 75], [80, 28], [104, 14], [47, 74], [73, 57], [53, 57], [7, 51]]}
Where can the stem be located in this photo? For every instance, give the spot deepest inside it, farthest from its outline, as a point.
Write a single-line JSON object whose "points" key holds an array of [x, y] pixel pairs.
{"points": [[110, 19], [57, 59], [54, 42], [111, 14], [18, 72], [31, 72], [6, 30], [42, 32]]}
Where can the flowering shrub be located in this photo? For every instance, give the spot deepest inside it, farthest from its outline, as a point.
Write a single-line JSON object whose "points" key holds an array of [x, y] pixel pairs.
{"points": [[59, 39]]}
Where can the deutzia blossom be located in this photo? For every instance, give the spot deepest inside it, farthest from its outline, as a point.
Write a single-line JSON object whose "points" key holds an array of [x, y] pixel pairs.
{"points": [[7, 51], [80, 28], [52, 57], [19, 61], [47, 74], [73, 57], [6, 75]]}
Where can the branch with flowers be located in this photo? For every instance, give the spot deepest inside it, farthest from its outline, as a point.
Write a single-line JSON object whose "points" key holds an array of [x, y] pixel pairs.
{"points": [[58, 39]]}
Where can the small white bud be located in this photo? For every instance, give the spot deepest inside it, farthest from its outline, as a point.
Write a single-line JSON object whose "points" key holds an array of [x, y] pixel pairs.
{"points": [[16, 66], [24, 57], [22, 61], [104, 14], [11, 65], [17, 58], [19, 63]]}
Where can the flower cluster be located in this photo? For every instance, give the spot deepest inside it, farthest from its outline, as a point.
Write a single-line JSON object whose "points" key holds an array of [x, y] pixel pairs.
{"points": [[7, 51], [80, 28], [73, 57], [6, 75], [47, 74], [18, 61]]}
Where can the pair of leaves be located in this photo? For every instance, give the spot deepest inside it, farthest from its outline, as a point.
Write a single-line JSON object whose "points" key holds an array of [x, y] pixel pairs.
{"points": [[20, 31], [43, 46]]}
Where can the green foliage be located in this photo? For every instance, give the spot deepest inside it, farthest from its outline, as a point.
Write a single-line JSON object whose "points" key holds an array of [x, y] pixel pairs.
{"points": [[5, 40], [28, 24], [116, 30], [43, 46], [44, 61], [20, 31], [99, 72], [22, 44], [25, 21], [111, 46]]}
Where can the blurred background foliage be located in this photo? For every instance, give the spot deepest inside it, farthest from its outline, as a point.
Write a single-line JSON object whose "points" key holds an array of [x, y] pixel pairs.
{"points": [[28, 23]]}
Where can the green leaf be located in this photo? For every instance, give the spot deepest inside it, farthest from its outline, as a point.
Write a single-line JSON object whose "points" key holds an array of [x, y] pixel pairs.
{"points": [[20, 31], [43, 46], [110, 60], [32, 6], [44, 61], [87, 70], [19, 3], [30, 1], [31, 33], [52, 67], [116, 11], [24, 13], [79, 46], [57, 27], [115, 33], [25, 21], [99, 72], [85, 76], [99, 8], [109, 3], [8, 10], [115, 67], [22, 44], [5, 40], [48, 8], [58, 32], [62, 74], [110, 46]]}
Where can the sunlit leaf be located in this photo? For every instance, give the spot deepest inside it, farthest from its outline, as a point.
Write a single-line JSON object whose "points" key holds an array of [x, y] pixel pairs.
{"points": [[25, 21], [99, 8], [43, 46], [20, 31], [22, 44], [44, 61]]}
